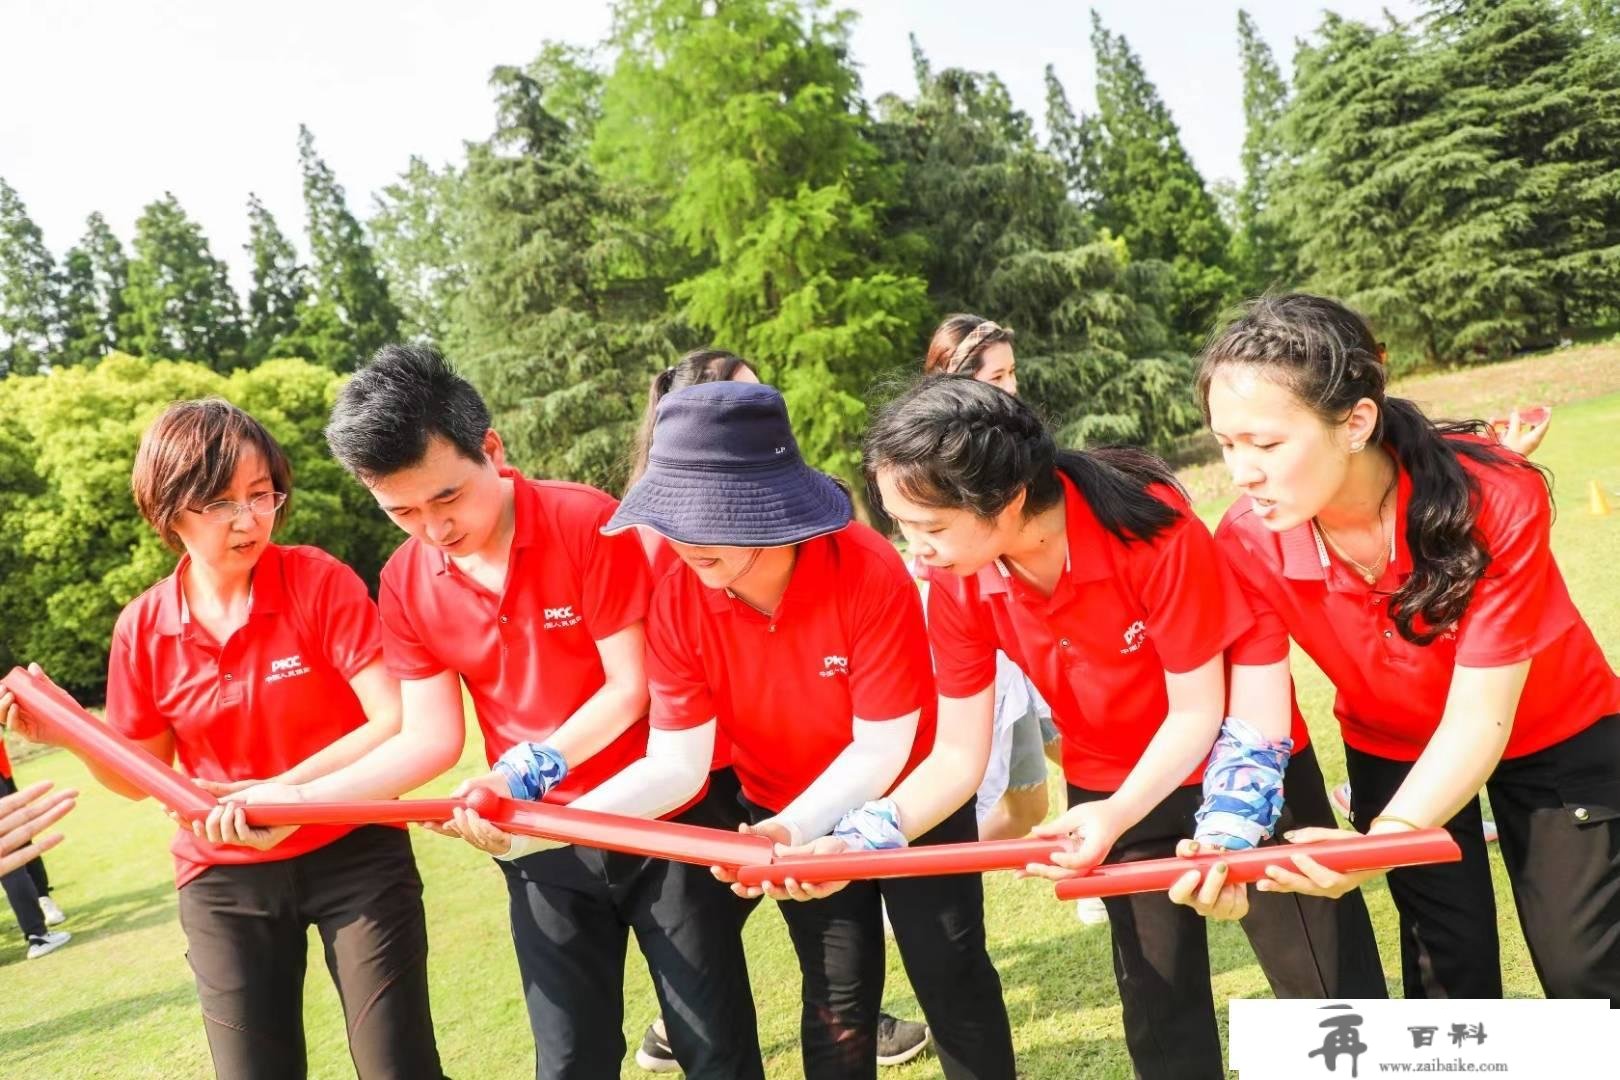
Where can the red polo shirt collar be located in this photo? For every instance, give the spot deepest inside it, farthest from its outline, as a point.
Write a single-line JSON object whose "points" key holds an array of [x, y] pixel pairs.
{"points": [[1303, 561], [810, 570], [1084, 533], [266, 593]]}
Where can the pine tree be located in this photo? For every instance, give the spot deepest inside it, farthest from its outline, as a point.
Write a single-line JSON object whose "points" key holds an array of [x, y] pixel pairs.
{"points": [[419, 239], [1261, 259], [1147, 189], [745, 118], [974, 186], [1545, 240], [94, 276], [178, 303], [280, 290], [78, 318], [1459, 182], [352, 314], [559, 344], [29, 290], [1072, 140], [1000, 236]]}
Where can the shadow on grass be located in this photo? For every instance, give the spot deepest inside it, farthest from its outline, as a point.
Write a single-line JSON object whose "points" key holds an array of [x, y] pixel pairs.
{"points": [[92, 1022], [120, 913]]}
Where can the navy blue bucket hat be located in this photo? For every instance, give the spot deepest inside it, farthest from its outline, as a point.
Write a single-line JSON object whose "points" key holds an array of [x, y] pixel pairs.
{"points": [[724, 471]]}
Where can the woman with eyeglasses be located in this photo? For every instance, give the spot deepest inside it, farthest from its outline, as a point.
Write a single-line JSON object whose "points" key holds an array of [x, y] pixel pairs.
{"points": [[256, 661]]}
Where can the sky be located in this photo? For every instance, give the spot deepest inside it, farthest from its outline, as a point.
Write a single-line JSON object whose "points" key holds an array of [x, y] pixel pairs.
{"points": [[107, 104]]}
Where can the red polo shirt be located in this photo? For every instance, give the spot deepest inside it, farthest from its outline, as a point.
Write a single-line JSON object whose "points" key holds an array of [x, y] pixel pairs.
{"points": [[1392, 693], [663, 560], [257, 704], [1121, 616], [528, 656], [847, 641]]}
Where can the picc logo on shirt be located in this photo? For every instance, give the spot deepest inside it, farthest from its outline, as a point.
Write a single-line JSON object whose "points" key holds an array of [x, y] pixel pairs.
{"points": [[1135, 636], [834, 665], [559, 617], [288, 667]]}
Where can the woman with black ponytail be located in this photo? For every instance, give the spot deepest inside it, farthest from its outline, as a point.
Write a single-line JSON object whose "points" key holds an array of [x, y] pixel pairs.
{"points": [[1090, 571], [1410, 560]]}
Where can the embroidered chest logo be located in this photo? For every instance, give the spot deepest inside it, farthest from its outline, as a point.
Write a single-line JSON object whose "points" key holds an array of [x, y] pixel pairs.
{"points": [[1135, 636], [558, 618], [288, 667], [834, 665]]}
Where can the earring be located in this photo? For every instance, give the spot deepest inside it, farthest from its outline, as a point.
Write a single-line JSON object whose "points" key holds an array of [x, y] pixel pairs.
{"points": [[1356, 448]]}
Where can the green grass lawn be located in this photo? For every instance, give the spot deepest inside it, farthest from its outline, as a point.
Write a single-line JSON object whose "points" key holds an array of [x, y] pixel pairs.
{"points": [[118, 1001]]}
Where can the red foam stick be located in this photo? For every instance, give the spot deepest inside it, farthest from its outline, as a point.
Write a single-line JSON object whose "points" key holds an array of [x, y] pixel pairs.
{"points": [[614, 832], [1345, 856], [362, 812], [971, 858], [64, 722]]}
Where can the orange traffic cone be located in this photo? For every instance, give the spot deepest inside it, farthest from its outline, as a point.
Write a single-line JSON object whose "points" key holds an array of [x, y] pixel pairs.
{"points": [[1597, 501]]}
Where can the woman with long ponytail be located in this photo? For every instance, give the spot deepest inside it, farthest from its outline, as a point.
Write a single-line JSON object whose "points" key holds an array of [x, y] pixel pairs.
{"points": [[1091, 572], [1011, 798], [1410, 559]]}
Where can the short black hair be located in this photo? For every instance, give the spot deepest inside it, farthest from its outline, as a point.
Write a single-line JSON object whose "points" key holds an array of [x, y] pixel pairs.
{"points": [[385, 415]]}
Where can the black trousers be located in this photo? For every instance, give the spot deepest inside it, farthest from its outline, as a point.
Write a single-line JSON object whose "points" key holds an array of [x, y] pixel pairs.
{"points": [[939, 927], [572, 911], [245, 939], [1308, 947], [1558, 817], [26, 884]]}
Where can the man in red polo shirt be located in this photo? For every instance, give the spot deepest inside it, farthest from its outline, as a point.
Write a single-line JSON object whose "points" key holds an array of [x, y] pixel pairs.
{"points": [[507, 584]]}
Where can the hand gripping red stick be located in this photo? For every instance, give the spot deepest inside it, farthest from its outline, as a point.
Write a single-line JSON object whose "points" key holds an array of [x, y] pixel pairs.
{"points": [[64, 722], [934, 859], [1379, 852], [614, 832]]}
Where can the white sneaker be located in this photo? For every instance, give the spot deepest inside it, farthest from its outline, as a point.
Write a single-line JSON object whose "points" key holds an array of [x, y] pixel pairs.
{"points": [[1091, 911], [53, 914], [48, 942]]}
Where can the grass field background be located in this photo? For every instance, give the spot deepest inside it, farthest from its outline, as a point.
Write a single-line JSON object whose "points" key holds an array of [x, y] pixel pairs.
{"points": [[118, 1001]]}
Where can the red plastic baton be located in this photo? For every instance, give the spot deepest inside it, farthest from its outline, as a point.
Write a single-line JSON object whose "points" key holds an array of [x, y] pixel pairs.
{"points": [[614, 832], [638, 836], [64, 722], [1345, 856], [971, 858], [363, 812]]}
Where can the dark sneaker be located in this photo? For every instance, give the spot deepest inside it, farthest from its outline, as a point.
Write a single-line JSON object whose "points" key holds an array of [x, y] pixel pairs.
{"points": [[898, 1041], [654, 1054]]}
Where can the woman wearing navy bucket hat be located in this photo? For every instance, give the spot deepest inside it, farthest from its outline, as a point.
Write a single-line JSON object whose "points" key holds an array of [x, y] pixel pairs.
{"points": [[799, 635]]}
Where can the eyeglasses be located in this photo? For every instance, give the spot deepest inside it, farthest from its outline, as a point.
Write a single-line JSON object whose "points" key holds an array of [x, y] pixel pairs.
{"points": [[225, 511]]}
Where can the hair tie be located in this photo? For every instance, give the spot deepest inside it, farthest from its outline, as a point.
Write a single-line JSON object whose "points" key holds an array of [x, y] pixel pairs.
{"points": [[969, 342]]}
